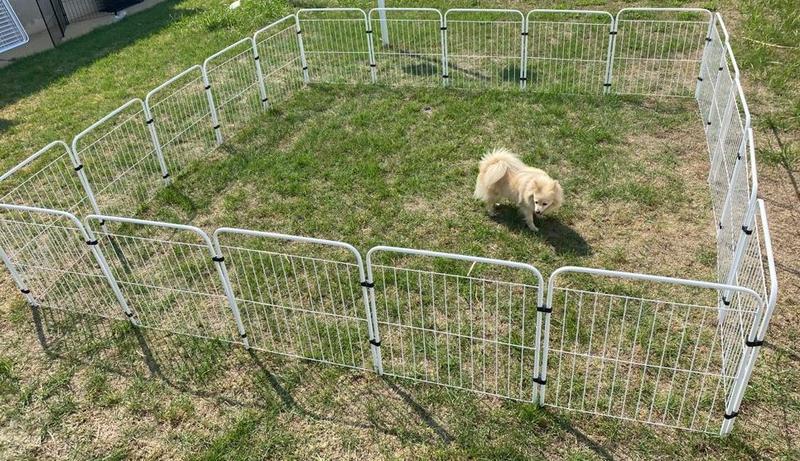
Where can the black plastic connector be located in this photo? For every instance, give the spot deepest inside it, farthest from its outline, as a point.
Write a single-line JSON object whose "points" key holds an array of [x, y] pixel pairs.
{"points": [[375, 343], [79, 167], [207, 87], [165, 176], [756, 343], [746, 230], [218, 259], [731, 415], [368, 284], [539, 380], [25, 291], [545, 309], [150, 122], [91, 242], [216, 127]]}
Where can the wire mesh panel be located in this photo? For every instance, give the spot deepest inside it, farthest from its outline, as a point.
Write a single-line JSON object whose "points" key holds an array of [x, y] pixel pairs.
{"points": [[48, 251], [460, 321], [658, 51], [182, 119], [120, 159], [168, 275], [234, 84], [410, 53], [484, 48], [299, 297], [46, 179], [568, 50], [279, 55], [644, 348], [336, 45]]}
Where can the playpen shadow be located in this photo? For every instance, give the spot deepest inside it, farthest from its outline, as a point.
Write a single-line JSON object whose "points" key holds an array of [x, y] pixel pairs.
{"points": [[564, 239], [232, 376]]}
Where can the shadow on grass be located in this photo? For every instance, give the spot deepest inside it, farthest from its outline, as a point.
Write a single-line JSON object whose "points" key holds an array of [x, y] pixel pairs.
{"points": [[33, 73], [564, 239]]}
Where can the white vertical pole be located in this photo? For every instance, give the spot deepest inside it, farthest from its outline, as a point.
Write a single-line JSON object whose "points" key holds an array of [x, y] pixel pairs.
{"points": [[523, 71], [372, 318], [384, 26], [151, 127], [262, 88], [91, 240], [371, 50], [703, 58], [303, 60], [211, 106], [222, 270], [612, 45], [445, 65], [23, 288]]}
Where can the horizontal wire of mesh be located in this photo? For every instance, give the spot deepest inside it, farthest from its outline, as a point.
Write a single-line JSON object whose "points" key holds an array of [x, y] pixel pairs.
{"points": [[459, 331], [169, 280], [51, 256], [50, 181], [413, 54], [182, 120], [234, 84], [567, 56], [336, 48], [279, 53], [300, 306], [655, 361], [658, 57], [484, 53], [120, 162]]}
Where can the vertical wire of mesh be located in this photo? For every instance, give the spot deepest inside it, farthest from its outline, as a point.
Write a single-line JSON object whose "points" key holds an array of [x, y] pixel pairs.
{"points": [[182, 119], [457, 330], [120, 159], [52, 257], [279, 53], [658, 53], [169, 279], [299, 302], [484, 48], [567, 52], [413, 53], [659, 361], [234, 84], [336, 46]]}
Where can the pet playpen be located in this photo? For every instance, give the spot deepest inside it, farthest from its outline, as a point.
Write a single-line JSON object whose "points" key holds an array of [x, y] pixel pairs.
{"points": [[666, 351]]}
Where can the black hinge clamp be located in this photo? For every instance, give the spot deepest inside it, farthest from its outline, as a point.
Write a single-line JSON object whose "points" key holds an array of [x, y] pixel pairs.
{"points": [[216, 127], [375, 343], [25, 291], [613, 32], [699, 79], [150, 122], [79, 167], [756, 343], [129, 314], [218, 259], [746, 230], [544, 309], [368, 284], [541, 381], [207, 87], [165, 175], [731, 415], [91, 242]]}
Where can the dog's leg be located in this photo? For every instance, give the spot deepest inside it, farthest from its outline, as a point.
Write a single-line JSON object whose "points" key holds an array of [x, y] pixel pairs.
{"points": [[530, 223], [491, 202]]}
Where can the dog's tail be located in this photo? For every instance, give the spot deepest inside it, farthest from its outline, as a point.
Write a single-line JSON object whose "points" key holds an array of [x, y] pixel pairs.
{"points": [[493, 167]]}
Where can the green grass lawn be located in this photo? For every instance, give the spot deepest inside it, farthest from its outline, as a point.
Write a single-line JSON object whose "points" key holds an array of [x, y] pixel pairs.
{"points": [[371, 165]]}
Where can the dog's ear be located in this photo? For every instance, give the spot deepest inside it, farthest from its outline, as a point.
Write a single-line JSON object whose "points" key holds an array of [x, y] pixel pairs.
{"points": [[559, 196]]}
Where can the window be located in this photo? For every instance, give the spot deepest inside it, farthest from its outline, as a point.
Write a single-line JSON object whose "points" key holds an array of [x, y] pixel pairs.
{"points": [[12, 34]]}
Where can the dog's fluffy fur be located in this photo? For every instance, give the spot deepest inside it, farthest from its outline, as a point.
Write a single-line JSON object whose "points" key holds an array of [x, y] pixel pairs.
{"points": [[504, 176]]}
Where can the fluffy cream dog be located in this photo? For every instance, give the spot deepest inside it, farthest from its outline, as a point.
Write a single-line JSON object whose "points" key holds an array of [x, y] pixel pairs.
{"points": [[503, 176]]}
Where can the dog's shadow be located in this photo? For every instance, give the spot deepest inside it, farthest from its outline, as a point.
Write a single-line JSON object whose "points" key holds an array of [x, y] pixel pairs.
{"points": [[564, 239]]}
